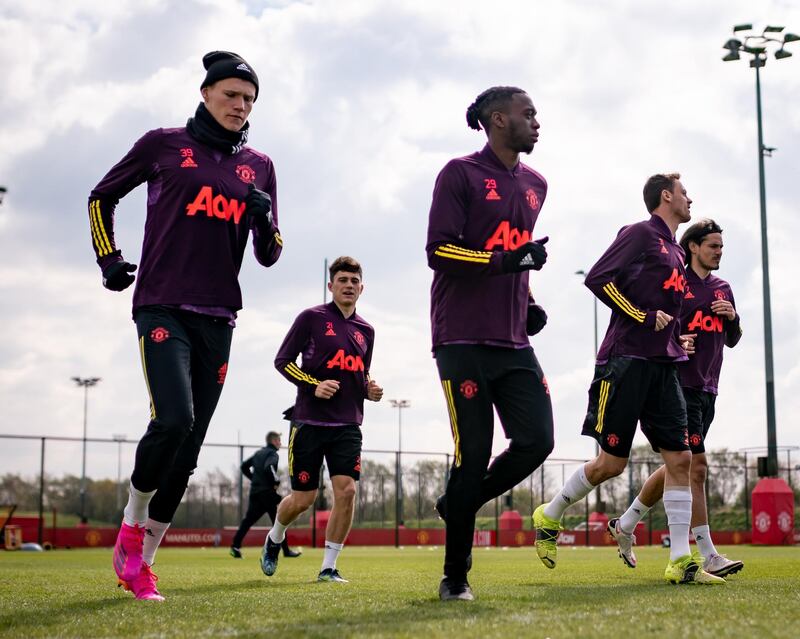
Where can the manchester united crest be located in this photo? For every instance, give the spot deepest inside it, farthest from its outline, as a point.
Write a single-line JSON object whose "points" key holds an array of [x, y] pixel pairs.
{"points": [[245, 173], [159, 334], [533, 199], [719, 294], [359, 338], [468, 389]]}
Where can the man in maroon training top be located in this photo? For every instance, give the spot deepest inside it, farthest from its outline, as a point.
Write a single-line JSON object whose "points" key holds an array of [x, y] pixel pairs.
{"points": [[332, 383], [484, 208], [709, 317], [206, 192], [641, 277]]}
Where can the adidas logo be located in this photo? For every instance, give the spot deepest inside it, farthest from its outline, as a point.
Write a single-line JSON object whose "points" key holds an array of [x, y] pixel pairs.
{"points": [[527, 260], [493, 195], [566, 499], [243, 67], [189, 163]]}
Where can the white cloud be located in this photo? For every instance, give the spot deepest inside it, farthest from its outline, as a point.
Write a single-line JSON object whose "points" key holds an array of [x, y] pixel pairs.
{"points": [[360, 106]]}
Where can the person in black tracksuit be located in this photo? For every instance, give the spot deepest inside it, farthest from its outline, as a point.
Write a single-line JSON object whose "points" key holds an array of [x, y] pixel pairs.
{"points": [[262, 470]]}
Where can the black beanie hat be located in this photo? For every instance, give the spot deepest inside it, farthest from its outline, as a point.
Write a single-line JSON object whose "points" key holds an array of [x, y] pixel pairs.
{"points": [[224, 64]]}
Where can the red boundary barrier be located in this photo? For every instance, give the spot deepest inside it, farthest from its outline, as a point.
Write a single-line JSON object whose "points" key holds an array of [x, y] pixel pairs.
{"points": [[198, 537]]}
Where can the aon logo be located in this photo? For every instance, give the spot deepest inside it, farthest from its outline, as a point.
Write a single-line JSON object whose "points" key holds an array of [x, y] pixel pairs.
{"points": [[344, 362], [707, 323], [216, 206], [507, 238]]}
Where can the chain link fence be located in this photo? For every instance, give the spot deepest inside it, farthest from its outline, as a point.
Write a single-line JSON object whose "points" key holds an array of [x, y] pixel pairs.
{"points": [[395, 489]]}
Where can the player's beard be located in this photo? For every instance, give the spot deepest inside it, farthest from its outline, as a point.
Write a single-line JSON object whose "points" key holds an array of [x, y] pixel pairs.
{"points": [[711, 266], [520, 141]]}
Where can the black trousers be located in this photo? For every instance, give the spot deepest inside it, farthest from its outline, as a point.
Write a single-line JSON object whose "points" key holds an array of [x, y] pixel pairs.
{"points": [[476, 380], [185, 361], [259, 503]]}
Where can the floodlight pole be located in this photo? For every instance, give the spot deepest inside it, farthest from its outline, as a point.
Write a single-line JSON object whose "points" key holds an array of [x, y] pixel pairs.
{"points": [[756, 46], [399, 404], [85, 382], [772, 438]]}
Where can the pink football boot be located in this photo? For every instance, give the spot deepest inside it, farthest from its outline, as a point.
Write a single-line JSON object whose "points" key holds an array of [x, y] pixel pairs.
{"points": [[144, 586], [128, 552]]}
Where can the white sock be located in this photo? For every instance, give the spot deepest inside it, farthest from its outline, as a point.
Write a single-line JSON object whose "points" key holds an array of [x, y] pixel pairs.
{"points": [[278, 532], [576, 488], [136, 510], [332, 550], [631, 517], [678, 506], [702, 535], [153, 534]]}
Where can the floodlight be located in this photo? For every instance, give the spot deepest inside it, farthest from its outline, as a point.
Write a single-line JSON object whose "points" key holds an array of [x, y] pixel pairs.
{"points": [[733, 44], [773, 29], [742, 27], [780, 54], [790, 37], [733, 55]]}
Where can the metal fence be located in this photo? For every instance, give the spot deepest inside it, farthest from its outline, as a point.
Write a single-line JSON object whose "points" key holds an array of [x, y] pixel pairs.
{"points": [[396, 489]]}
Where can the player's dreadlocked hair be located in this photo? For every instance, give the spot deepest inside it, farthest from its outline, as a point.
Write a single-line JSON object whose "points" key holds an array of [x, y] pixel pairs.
{"points": [[479, 113], [695, 233]]}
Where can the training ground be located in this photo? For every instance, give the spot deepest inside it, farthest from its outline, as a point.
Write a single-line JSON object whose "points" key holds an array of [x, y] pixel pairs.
{"points": [[393, 593]]}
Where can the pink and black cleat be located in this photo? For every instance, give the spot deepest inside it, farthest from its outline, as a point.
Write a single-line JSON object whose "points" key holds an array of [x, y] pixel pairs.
{"points": [[128, 552]]}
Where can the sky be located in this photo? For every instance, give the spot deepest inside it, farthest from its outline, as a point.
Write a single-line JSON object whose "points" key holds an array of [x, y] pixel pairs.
{"points": [[361, 104]]}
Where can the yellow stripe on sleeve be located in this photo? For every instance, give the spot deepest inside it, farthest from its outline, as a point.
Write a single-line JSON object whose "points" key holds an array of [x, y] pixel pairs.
{"points": [[605, 387], [103, 241], [278, 239], [96, 238], [624, 305], [453, 252], [294, 370], [447, 386]]}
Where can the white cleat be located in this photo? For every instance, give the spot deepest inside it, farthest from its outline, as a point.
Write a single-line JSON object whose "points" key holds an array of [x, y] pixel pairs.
{"points": [[625, 543], [721, 566]]}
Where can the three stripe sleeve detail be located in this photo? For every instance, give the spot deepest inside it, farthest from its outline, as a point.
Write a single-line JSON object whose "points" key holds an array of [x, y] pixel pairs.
{"points": [[453, 252], [294, 370], [623, 303], [102, 244]]}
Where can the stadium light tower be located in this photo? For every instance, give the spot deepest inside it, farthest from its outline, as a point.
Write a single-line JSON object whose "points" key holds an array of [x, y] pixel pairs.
{"points": [[756, 46], [86, 383], [399, 404]]}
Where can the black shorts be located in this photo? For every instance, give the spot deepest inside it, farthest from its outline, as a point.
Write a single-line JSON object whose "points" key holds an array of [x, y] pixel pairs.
{"points": [[700, 410], [625, 391], [339, 446]]}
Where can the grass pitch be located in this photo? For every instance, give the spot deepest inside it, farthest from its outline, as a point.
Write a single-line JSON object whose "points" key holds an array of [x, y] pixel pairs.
{"points": [[393, 593]]}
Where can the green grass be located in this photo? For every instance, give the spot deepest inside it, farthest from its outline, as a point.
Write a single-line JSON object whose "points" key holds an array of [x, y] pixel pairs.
{"points": [[393, 593]]}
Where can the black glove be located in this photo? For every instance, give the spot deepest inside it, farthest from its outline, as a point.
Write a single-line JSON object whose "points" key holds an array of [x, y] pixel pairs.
{"points": [[258, 205], [537, 319], [117, 276], [529, 256]]}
